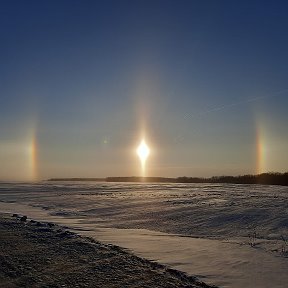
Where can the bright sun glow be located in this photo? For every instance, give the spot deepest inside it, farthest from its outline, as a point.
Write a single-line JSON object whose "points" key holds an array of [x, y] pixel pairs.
{"points": [[143, 153]]}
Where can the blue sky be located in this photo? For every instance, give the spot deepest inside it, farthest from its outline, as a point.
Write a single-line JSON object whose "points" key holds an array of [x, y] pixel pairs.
{"points": [[81, 82]]}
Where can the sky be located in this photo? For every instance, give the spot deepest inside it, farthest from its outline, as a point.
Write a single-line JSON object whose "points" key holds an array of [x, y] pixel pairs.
{"points": [[83, 82]]}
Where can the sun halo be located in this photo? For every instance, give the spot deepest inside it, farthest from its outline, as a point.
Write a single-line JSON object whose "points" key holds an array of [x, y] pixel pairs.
{"points": [[143, 152]]}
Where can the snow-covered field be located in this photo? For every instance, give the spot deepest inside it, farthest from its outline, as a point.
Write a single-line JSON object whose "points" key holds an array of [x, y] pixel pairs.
{"points": [[229, 235]]}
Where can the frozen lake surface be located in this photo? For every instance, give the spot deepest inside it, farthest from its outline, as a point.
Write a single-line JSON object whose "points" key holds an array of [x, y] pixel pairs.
{"points": [[227, 235]]}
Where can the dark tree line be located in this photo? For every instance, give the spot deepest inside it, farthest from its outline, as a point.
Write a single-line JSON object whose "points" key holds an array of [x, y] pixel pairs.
{"points": [[264, 178]]}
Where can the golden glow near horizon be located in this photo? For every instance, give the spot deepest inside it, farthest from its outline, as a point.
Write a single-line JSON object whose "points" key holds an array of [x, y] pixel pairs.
{"points": [[143, 152], [261, 147], [33, 158]]}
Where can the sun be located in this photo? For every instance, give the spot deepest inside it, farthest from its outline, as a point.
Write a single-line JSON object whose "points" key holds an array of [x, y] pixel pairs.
{"points": [[143, 152]]}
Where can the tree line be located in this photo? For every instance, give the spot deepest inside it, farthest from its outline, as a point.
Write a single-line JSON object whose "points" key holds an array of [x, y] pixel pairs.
{"points": [[271, 178], [264, 178]]}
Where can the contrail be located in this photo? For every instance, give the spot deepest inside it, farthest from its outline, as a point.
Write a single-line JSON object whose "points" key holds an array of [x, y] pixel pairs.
{"points": [[188, 116], [219, 108]]}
